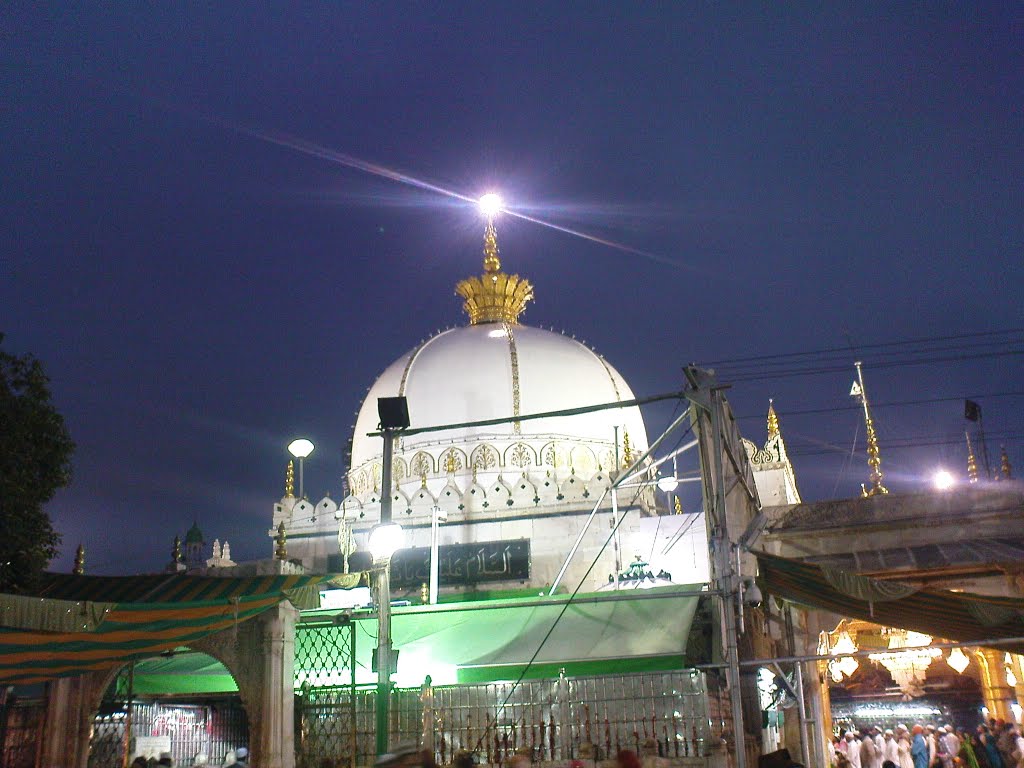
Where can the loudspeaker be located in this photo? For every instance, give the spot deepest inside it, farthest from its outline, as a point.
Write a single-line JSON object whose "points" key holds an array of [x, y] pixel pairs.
{"points": [[393, 412]]}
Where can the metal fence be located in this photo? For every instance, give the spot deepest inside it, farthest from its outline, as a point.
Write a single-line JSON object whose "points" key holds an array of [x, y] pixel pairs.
{"points": [[663, 713], [211, 728]]}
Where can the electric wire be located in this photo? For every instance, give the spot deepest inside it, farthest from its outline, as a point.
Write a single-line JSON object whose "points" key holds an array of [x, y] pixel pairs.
{"points": [[880, 345], [558, 618], [891, 403]]}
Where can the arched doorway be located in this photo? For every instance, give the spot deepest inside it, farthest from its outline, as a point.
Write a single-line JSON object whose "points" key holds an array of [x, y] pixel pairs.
{"points": [[184, 702]]}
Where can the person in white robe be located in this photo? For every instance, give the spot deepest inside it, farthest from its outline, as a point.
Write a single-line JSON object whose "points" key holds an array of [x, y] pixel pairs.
{"points": [[903, 747], [933, 745], [853, 750], [876, 734], [868, 752], [890, 748]]}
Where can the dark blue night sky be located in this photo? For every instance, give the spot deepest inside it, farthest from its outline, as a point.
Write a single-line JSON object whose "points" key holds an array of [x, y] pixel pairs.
{"points": [[821, 177]]}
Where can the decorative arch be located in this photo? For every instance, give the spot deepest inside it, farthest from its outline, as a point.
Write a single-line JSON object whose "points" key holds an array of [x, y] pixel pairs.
{"points": [[454, 460], [484, 458], [422, 464], [583, 460], [521, 456]]}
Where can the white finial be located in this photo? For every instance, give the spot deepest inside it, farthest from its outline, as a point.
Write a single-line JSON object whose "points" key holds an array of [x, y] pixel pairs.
{"points": [[226, 552], [216, 549]]}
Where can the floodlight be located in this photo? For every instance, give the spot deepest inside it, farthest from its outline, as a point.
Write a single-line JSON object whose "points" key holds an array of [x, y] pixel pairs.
{"points": [[668, 483], [300, 448], [385, 539]]}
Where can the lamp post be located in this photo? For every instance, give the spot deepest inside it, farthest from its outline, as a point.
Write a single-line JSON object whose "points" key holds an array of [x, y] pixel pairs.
{"points": [[437, 516], [384, 539], [300, 449]]}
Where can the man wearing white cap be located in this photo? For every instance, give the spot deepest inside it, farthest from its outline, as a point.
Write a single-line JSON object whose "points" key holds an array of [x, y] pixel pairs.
{"points": [[852, 749], [879, 747], [890, 747]]}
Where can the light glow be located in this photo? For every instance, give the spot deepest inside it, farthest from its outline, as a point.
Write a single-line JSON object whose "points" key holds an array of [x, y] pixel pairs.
{"points": [[667, 484], [300, 448], [943, 480], [490, 204], [845, 665], [385, 540], [958, 660]]}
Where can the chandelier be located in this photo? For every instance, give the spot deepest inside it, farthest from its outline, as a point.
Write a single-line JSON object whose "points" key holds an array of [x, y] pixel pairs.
{"points": [[906, 661], [958, 660], [845, 665]]}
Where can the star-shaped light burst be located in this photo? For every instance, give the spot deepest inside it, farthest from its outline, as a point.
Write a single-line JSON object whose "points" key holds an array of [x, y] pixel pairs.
{"points": [[490, 205]]}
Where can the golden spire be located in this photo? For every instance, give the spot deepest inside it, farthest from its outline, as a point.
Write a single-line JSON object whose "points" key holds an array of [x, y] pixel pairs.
{"points": [[773, 420], [627, 450], [679, 506], [79, 568], [281, 551], [874, 458], [289, 480], [494, 297], [972, 465], [1004, 465], [176, 552]]}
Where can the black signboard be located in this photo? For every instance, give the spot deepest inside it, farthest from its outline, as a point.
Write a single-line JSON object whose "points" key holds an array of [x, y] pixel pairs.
{"points": [[463, 564]]}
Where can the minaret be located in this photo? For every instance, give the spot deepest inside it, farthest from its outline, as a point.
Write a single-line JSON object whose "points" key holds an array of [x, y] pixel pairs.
{"points": [[972, 465], [773, 420], [874, 458]]}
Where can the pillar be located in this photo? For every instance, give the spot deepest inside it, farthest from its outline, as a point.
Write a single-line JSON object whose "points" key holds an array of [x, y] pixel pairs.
{"points": [[70, 705], [274, 746], [995, 688]]}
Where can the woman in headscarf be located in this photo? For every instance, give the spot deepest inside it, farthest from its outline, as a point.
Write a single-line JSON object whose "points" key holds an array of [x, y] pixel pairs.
{"points": [[967, 755]]}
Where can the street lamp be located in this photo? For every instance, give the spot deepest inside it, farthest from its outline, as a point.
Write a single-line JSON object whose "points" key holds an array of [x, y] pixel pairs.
{"points": [[385, 538], [300, 449]]}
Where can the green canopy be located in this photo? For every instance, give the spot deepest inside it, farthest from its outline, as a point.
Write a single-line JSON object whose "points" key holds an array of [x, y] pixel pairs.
{"points": [[496, 640]]}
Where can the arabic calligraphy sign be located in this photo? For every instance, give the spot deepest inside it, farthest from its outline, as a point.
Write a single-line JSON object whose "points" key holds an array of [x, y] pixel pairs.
{"points": [[463, 564]]}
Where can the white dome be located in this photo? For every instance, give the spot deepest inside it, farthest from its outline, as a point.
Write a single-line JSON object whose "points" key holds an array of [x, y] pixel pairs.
{"points": [[496, 370]]}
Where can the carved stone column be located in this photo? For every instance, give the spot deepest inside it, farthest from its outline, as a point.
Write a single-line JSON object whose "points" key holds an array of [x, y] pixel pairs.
{"points": [[276, 745], [996, 690]]}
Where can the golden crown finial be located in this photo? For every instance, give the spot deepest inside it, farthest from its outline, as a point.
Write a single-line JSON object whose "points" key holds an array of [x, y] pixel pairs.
{"points": [[972, 465], [289, 481], [281, 551], [678, 506], [79, 568], [1005, 469], [176, 551], [627, 449], [494, 297], [773, 420]]}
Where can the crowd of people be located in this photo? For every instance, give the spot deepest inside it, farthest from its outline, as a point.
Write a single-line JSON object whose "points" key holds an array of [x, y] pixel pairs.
{"points": [[995, 744]]}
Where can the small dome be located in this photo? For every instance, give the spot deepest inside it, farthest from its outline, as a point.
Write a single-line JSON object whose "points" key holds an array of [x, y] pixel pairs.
{"points": [[194, 535]]}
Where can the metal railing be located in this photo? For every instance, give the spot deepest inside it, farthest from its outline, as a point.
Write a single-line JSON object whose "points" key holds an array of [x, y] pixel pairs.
{"points": [[662, 713]]}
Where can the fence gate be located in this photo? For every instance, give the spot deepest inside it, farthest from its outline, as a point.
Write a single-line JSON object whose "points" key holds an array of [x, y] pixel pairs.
{"points": [[325, 708]]}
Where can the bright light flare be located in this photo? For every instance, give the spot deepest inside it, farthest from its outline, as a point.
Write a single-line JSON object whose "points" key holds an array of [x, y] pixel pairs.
{"points": [[490, 204], [385, 539], [943, 480], [300, 448]]}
